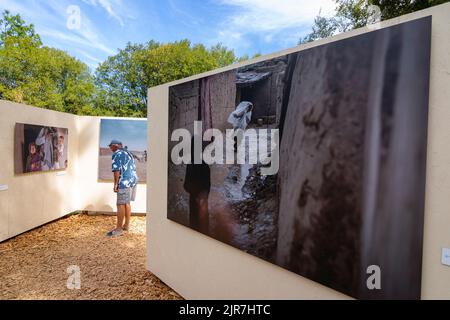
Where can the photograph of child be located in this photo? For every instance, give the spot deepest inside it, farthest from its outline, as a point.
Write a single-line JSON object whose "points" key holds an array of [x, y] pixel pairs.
{"points": [[40, 148]]}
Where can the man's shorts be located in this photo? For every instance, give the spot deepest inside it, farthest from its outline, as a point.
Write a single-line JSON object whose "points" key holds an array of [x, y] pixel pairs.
{"points": [[125, 196]]}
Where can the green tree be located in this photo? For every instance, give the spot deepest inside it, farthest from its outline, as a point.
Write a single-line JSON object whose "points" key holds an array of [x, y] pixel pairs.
{"points": [[38, 75], [46, 77], [123, 79], [322, 28], [246, 57], [13, 27], [352, 14], [120, 82], [394, 8], [222, 55]]}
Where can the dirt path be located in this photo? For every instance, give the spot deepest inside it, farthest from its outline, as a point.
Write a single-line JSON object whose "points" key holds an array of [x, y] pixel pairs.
{"points": [[34, 265]]}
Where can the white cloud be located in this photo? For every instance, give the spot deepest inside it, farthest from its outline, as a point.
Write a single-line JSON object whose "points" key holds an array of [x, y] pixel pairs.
{"points": [[231, 39], [272, 15], [50, 20], [185, 17], [90, 60], [90, 57], [76, 39], [271, 20], [112, 7]]}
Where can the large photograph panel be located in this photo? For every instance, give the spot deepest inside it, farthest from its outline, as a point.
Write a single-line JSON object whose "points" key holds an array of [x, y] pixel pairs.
{"points": [[39, 148], [346, 206], [133, 135]]}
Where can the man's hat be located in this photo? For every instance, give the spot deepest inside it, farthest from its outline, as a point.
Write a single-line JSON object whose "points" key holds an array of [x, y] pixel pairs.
{"points": [[114, 142]]}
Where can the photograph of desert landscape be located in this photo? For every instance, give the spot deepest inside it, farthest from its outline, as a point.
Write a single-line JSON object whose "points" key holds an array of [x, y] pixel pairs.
{"points": [[133, 135]]}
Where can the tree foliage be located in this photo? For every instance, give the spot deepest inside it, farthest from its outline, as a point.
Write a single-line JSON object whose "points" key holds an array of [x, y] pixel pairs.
{"points": [[352, 14], [394, 8], [13, 27], [38, 75], [50, 78], [34, 74], [123, 79]]}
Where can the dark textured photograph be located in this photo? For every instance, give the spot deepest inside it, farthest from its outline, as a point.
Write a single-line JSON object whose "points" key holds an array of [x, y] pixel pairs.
{"points": [[349, 192]]}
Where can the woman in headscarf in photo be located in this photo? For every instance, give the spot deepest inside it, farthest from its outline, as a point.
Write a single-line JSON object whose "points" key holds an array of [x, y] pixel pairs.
{"points": [[45, 141], [241, 117]]}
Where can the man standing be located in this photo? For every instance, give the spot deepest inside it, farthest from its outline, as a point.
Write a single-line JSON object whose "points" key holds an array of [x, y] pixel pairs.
{"points": [[125, 182]]}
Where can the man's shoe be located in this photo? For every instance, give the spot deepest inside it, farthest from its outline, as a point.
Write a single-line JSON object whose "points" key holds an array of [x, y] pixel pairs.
{"points": [[127, 228], [114, 233]]}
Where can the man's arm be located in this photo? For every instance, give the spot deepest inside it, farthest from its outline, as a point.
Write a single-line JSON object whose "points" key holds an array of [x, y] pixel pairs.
{"points": [[116, 180], [116, 165]]}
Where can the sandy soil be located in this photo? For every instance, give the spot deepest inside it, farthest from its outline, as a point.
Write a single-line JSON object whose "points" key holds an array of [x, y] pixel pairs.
{"points": [[106, 174], [34, 265]]}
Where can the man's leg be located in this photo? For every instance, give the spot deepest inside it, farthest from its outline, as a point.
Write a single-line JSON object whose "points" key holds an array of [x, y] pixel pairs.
{"points": [[128, 207], [127, 216], [121, 211]]}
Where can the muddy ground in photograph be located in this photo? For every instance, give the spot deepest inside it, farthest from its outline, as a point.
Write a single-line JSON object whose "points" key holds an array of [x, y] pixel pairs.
{"points": [[242, 204]]}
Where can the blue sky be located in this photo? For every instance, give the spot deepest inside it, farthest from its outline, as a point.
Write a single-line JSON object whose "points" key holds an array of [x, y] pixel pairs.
{"points": [[246, 26], [132, 133]]}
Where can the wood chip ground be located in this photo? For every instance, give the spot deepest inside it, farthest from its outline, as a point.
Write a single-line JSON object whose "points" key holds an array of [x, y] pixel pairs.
{"points": [[34, 265]]}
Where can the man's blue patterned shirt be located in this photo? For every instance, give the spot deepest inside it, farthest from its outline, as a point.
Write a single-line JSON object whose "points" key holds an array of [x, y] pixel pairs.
{"points": [[123, 161]]}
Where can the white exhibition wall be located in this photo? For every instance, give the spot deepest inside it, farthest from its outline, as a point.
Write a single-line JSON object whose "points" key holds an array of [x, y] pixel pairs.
{"points": [[199, 267], [33, 199]]}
